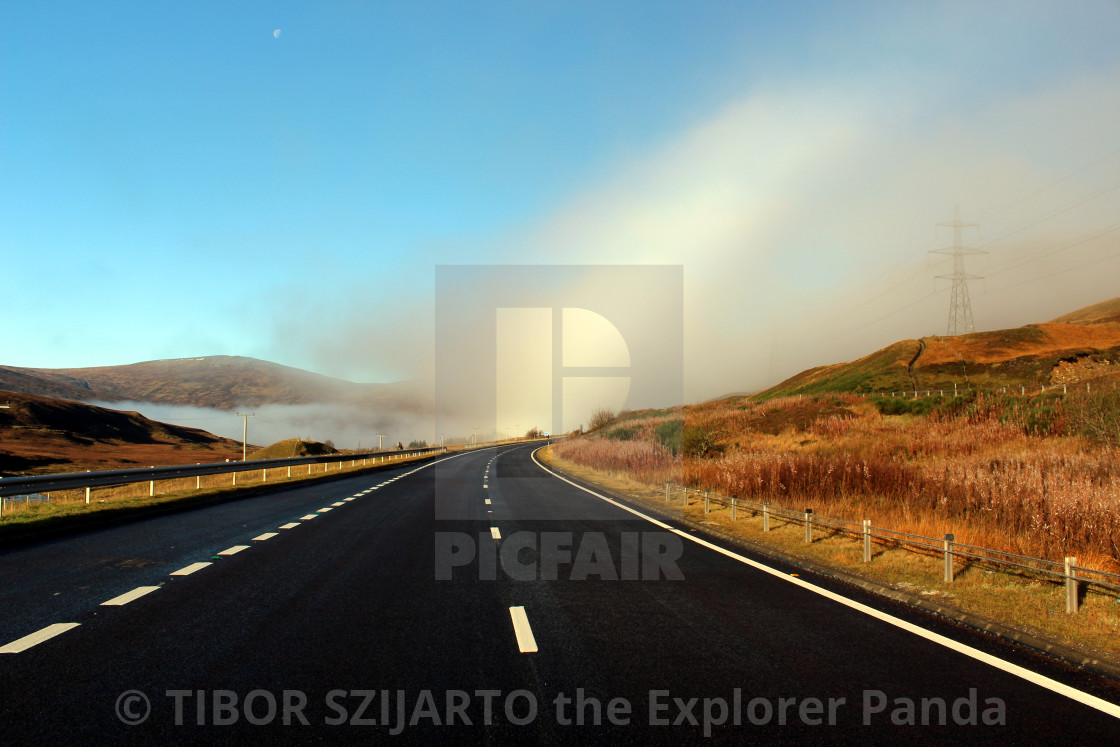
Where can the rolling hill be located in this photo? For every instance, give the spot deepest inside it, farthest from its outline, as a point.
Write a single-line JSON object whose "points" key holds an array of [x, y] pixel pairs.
{"points": [[220, 382], [1081, 346], [40, 435]]}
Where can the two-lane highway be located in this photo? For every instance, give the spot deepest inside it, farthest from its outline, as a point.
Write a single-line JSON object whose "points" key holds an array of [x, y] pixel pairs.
{"points": [[480, 598]]}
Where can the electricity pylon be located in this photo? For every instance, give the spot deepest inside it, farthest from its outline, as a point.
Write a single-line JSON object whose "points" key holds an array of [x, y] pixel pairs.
{"points": [[960, 308]]}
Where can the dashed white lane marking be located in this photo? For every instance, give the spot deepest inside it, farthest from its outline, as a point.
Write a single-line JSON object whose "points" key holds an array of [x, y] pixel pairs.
{"points": [[129, 596], [525, 640], [190, 569], [290, 525], [34, 639], [487, 501], [325, 509], [234, 550], [495, 533], [994, 661], [265, 536], [338, 503], [348, 499], [309, 516]]}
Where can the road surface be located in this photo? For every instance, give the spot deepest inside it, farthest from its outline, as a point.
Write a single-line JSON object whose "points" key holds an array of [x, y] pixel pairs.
{"points": [[480, 599]]}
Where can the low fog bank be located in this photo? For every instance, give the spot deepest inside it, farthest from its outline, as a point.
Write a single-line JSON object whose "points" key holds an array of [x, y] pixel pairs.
{"points": [[346, 427]]}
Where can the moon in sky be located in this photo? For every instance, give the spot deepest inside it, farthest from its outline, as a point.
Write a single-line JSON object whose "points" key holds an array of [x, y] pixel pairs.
{"points": [[276, 34]]}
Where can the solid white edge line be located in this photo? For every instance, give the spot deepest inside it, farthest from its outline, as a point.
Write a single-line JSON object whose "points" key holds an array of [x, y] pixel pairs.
{"points": [[129, 596], [265, 536], [526, 641], [495, 534], [234, 550], [994, 661], [290, 525], [188, 570], [34, 639]]}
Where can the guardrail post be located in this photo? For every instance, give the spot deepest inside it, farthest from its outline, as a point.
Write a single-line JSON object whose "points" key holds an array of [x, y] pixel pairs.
{"points": [[808, 526], [867, 540], [733, 508], [765, 516], [948, 575], [707, 501], [1071, 586], [666, 492]]}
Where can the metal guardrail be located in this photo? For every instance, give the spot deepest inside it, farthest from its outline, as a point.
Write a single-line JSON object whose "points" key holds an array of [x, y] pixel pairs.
{"points": [[72, 480], [12, 487], [1074, 577]]}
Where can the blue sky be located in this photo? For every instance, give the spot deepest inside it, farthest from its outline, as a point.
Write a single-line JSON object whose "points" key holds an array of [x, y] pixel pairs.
{"points": [[176, 180]]}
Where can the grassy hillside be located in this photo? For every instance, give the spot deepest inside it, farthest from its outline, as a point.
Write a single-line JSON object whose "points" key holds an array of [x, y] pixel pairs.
{"points": [[1106, 311], [1080, 347], [41, 435], [293, 447]]}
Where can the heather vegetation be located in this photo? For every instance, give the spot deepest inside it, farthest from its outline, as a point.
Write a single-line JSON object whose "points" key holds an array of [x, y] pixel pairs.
{"points": [[645, 446], [1037, 475]]}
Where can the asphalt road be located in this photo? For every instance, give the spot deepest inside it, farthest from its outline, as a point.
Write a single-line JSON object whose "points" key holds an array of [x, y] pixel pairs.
{"points": [[416, 611]]}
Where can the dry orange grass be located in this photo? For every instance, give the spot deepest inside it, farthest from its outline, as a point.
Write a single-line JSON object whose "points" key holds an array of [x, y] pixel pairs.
{"points": [[981, 474]]}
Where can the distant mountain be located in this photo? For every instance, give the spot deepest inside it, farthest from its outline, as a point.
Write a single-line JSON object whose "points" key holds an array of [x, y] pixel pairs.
{"points": [[39, 434], [1083, 345], [221, 382]]}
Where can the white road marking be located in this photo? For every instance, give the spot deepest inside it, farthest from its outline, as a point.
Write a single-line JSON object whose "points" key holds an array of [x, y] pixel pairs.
{"points": [[495, 533], [324, 510], [290, 525], [190, 569], [265, 536], [339, 503], [34, 639], [129, 596], [234, 550], [525, 640], [348, 499], [487, 501], [309, 516], [1039, 679]]}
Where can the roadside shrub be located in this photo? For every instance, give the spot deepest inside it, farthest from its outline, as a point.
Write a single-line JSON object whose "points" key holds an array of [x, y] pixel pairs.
{"points": [[1096, 416], [670, 435]]}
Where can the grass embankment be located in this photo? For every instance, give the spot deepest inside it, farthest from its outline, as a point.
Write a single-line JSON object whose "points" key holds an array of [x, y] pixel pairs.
{"points": [[68, 511], [1017, 474]]}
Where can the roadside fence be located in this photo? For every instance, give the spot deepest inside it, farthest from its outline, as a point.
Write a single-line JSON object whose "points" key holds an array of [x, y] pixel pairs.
{"points": [[956, 556]]}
